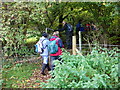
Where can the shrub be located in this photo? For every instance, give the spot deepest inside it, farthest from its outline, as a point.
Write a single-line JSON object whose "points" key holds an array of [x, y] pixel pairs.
{"points": [[96, 70]]}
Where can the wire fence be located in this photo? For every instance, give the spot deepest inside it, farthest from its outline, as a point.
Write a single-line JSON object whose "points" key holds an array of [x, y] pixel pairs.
{"points": [[87, 48]]}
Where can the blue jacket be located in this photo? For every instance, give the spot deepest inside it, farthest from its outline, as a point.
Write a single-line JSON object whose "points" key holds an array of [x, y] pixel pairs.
{"points": [[78, 26], [45, 45]]}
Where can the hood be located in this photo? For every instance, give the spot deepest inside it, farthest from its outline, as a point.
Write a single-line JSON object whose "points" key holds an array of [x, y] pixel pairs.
{"points": [[53, 38], [42, 38]]}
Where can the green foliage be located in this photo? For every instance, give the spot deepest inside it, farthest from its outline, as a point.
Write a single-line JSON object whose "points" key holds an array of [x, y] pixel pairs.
{"points": [[16, 74], [37, 81], [18, 20], [24, 20], [7, 66], [19, 65], [31, 40], [96, 70], [1, 81]]}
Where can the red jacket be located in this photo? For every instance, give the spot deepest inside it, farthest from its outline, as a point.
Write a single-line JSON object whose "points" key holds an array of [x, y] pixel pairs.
{"points": [[60, 45], [87, 27]]}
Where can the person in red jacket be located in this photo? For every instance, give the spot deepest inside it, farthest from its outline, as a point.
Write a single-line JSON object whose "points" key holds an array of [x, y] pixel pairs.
{"points": [[59, 42], [88, 27]]}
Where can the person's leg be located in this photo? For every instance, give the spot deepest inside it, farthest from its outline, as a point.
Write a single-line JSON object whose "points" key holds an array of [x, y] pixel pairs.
{"points": [[52, 58], [68, 41], [45, 62], [43, 69], [67, 44], [77, 37], [48, 66], [60, 59]]}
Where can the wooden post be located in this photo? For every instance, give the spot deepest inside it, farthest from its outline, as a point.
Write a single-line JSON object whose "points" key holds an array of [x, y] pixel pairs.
{"points": [[80, 40], [74, 45]]}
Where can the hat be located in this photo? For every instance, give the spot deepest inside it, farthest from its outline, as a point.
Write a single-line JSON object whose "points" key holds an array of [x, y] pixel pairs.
{"points": [[55, 30], [44, 34]]}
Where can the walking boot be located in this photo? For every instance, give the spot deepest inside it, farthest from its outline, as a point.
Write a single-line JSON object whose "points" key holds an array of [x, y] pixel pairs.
{"points": [[48, 67], [43, 69]]}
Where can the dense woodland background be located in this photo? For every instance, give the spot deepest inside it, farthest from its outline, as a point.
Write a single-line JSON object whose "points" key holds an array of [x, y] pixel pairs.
{"points": [[21, 26], [22, 23]]}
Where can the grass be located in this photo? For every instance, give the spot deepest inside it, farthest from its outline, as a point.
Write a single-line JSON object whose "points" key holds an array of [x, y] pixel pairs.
{"points": [[13, 75]]}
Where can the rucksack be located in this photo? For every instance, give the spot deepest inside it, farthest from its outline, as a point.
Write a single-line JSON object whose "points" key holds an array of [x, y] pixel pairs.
{"points": [[82, 29], [70, 27], [53, 47], [39, 47]]}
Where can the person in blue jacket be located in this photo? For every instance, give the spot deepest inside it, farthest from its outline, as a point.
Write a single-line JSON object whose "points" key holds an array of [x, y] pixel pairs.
{"points": [[78, 28], [45, 53]]}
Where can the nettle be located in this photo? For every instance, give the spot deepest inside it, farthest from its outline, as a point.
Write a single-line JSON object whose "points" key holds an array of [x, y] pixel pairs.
{"points": [[96, 70]]}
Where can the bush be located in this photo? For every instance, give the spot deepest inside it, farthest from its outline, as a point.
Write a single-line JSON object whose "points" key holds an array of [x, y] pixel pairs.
{"points": [[96, 70]]}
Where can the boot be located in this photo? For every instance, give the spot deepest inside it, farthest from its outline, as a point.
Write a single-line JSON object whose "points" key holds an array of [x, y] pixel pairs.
{"points": [[43, 69], [48, 67]]}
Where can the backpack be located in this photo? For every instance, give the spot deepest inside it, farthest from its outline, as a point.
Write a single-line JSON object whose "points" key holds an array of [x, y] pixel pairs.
{"points": [[70, 27], [53, 47], [39, 47], [82, 29]]}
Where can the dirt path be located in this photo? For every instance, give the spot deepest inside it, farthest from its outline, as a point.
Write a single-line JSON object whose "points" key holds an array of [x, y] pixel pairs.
{"points": [[35, 79]]}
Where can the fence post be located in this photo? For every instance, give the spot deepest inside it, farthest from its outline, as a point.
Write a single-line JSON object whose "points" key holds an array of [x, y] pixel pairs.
{"points": [[74, 45], [80, 40]]}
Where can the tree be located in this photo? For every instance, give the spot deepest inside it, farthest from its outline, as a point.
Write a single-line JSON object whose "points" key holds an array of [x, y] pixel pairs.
{"points": [[28, 19]]}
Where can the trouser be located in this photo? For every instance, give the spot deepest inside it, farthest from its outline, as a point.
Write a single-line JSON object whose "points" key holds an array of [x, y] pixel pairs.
{"points": [[69, 41], [77, 37], [52, 59], [45, 63]]}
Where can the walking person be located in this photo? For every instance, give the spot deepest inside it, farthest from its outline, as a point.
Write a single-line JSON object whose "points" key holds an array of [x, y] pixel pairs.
{"points": [[45, 54], [69, 33], [88, 27], [55, 53], [78, 27], [93, 26]]}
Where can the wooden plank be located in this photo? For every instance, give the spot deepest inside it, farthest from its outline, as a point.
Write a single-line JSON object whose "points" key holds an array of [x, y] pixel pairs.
{"points": [[79, 53]]}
